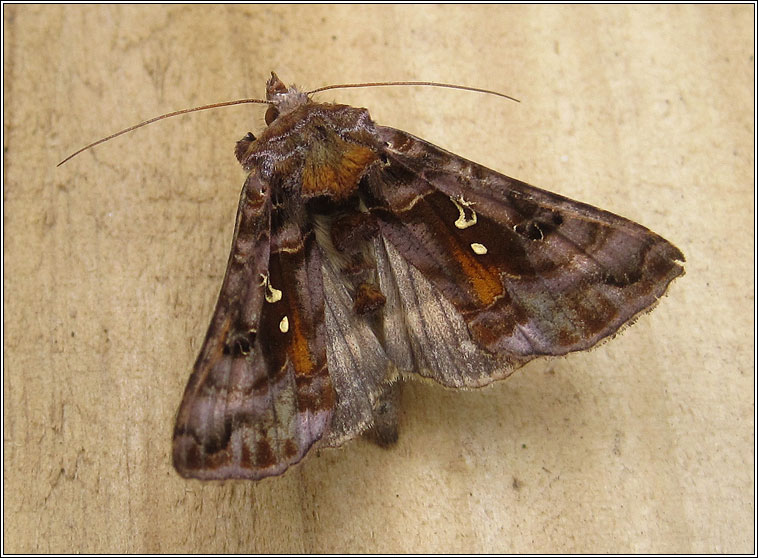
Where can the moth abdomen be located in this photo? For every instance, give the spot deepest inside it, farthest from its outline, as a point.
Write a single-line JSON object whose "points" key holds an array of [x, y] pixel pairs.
{"points": [[368, 298]]}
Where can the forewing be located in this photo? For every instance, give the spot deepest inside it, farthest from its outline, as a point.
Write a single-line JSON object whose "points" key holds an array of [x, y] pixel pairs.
{"points": [[529, 272], [259, 395]]}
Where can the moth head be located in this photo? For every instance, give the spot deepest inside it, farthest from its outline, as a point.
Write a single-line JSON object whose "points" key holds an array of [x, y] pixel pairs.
{"points": [[282, 99]]}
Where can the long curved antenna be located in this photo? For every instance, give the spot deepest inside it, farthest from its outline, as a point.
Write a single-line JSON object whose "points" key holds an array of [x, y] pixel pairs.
{"points": [[161, 117], [420, 83], [260, 101]]}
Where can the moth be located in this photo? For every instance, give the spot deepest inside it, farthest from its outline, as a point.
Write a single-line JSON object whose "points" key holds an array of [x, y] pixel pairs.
{"points": [[362, 256]]}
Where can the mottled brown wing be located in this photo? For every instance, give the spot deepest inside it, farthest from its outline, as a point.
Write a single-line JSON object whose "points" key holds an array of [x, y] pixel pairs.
{"points": [[528, 272], [260, 395]]}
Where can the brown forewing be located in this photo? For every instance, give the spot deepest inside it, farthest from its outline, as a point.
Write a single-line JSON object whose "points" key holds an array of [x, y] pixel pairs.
{"points": [[531, 272], [260, 395]]}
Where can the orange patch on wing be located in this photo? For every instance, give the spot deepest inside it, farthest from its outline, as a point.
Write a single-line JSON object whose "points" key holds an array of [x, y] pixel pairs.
{"points": [[486, 284], [335, 168], [299, 350], [222, 337]]}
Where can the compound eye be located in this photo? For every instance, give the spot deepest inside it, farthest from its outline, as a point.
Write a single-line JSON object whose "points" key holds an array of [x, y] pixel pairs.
{"points": [[271, 114]]}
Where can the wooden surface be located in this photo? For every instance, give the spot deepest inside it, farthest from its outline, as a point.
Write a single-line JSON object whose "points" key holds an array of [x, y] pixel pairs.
{"points": [[113, 263]]}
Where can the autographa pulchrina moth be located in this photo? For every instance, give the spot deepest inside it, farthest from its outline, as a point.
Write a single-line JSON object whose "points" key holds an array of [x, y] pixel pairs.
{"points": [[363, 255]]}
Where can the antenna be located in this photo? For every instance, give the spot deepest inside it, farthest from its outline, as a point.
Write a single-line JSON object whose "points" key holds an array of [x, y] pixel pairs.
{"points": [[309, 93], [412, 83], [161, 117]]}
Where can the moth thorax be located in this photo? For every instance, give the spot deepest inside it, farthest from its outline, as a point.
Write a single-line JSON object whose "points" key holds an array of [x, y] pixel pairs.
{"points": [[287, 102], [333, 166]]}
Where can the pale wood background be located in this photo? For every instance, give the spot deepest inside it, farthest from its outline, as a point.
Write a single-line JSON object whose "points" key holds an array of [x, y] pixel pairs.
{"points": [[113, 263]]}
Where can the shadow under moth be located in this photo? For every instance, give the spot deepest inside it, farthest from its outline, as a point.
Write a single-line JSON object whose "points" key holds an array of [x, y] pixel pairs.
{"points": [[363, 255]]}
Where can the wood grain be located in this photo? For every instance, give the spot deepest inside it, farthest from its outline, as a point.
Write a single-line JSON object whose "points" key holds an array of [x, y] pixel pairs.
{"points": [[113, 263]]}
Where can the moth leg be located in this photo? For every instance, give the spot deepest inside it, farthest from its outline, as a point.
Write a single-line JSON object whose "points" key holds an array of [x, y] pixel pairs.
{"points": [[384, 429]]}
